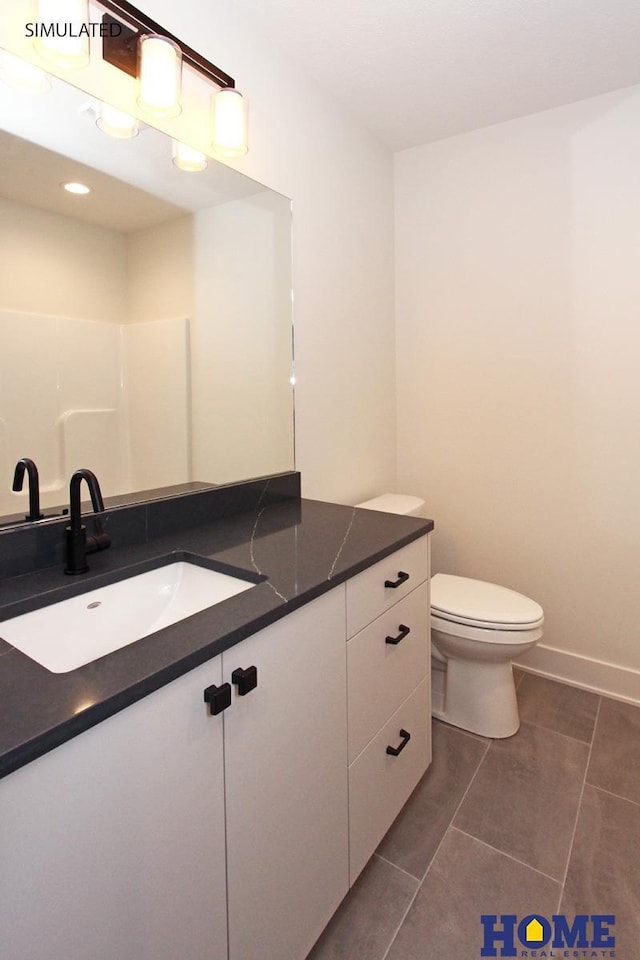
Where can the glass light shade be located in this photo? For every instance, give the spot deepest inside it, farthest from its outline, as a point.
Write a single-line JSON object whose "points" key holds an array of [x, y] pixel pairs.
{"points": [[186, 158], [160, 76], [116, 123], [62, 20], [22, 75], [229, 121]]}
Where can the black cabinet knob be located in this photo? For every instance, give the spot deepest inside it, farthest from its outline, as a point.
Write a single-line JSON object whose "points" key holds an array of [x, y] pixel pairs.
{"points": [[218, 698], [245, 680], [402, 578]]}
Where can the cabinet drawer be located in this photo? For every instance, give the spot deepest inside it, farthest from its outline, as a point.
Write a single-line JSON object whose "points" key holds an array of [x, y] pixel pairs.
{"points": [[380, 784], [381, 674], [367, 595]]}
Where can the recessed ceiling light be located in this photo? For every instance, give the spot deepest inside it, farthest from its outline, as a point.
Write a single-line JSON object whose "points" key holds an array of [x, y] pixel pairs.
{"points": [[77, 188]]}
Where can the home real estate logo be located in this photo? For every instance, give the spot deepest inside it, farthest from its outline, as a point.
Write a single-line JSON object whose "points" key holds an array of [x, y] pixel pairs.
{"points": [[586, 935]]}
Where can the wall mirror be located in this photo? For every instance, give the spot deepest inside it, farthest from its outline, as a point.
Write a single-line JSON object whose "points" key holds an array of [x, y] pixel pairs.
{"points": [[145, 327]]}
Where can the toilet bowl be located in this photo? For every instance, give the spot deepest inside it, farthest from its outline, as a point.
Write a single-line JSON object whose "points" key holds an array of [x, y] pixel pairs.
{"points": [[477, 629]]}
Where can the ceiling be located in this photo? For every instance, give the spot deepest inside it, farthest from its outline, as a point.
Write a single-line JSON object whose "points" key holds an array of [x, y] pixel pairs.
{"points": [[33, 175], [412, 71]]}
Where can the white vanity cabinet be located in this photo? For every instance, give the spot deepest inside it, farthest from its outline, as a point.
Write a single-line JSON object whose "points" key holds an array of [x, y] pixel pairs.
{"points": [[120, 843], [112, 846], [388, 665], [168, 832]]}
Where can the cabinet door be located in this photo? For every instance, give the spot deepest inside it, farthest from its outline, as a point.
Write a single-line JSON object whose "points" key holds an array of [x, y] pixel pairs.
{"points": [[112, 845], [286, 783]]}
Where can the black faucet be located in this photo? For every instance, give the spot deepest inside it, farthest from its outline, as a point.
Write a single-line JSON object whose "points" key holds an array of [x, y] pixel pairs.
{"points": [[28, 466], [78, 544]]}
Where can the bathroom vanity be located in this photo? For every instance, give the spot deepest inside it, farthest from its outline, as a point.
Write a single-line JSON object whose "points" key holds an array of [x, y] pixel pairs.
{"points": [[135, 821]]}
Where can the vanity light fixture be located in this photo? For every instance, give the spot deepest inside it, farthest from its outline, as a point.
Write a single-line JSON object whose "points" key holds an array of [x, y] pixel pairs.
{"points": [[62, 32], [186, 158], [22, 75], [140, 47], [229, 123], [116, 123], [160, 61]]}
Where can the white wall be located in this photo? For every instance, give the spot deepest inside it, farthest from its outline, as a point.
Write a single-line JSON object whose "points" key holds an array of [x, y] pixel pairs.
{"points": [[160, 271], [341, 183], [59, 265], [241, 340], [518, 287]]}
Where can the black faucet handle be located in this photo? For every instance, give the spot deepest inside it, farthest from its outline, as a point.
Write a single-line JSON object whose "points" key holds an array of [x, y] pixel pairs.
{"points": [[100, 540]]}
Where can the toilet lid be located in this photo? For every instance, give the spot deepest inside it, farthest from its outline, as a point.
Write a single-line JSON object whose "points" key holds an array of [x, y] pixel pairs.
{"points": [[482, 604]]}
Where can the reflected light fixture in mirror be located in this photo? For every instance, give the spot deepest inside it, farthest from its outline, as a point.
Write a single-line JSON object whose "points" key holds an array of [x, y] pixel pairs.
{"points": [[60, 39], [23, 76], [188, 159], [116, 123], [160, 76]]}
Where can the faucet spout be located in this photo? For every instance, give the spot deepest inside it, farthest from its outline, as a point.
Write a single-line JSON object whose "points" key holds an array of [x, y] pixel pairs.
{"points": [[26, 465], [77, 542], [75, 512]]}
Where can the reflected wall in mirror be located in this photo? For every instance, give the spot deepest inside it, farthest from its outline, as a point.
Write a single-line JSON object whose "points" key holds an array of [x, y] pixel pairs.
{"points": [[145, 328]]}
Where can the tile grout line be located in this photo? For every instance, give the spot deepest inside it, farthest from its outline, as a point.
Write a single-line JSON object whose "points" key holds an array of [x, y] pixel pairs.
{"points": [[420, 882], [396, 867], [610, 793], [509, 855], [567, 736], [579, 807]]}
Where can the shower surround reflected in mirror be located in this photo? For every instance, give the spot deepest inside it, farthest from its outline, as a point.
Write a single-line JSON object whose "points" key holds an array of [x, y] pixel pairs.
{"points": [[145, 328]]}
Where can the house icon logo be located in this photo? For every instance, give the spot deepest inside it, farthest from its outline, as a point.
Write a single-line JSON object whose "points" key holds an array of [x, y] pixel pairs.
{"points": [[534, 931]]}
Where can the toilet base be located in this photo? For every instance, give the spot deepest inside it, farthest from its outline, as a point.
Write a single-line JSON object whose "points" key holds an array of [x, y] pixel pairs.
{"points": [[476, 696]]}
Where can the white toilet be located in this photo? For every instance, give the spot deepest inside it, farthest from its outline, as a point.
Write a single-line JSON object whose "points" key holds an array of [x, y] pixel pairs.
{"points": [[477, 629]]}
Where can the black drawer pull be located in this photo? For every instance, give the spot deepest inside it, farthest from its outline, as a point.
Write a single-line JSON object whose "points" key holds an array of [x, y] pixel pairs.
{"points": [[245, 680], [218, 698], [404, 632], [394, 751], [402, 578]]}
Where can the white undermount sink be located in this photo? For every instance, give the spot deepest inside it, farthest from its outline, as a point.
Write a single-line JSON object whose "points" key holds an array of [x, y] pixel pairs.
{"points": [[72, 632]]}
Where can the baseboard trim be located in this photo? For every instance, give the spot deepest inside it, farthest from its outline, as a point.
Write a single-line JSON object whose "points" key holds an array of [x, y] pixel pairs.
{"points": [[584, 672]]}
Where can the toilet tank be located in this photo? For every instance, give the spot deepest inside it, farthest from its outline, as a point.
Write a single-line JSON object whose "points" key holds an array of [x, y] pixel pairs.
{"points": [[396, 503]]}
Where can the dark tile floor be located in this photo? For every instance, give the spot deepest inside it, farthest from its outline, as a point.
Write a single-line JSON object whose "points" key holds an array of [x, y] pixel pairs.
{"points": [[545, 822]]}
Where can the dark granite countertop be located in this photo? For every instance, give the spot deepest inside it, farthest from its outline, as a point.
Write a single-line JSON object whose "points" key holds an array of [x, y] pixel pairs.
{"points": [[304, 548]]}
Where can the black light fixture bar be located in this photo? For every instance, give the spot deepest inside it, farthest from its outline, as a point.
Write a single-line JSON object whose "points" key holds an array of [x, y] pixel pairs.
{"points": [[122, 50]]}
